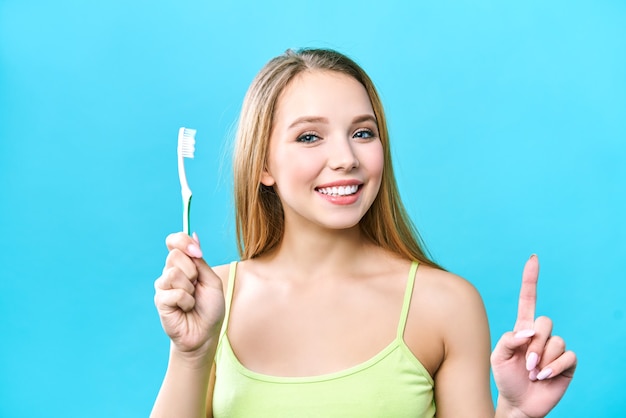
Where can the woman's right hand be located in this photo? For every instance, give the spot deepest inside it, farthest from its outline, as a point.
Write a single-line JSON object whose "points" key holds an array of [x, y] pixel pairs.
{"points": [[189, 297]]}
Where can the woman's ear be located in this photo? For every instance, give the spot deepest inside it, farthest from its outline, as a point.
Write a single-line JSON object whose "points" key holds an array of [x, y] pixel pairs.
{"points": [[267, 179]]}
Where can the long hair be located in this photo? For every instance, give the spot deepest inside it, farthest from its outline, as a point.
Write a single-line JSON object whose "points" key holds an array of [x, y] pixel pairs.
{"points": [[259, 213]]}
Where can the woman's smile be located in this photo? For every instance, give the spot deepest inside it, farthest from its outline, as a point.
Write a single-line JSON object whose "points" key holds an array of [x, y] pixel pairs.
{"points": [[340, 193]]}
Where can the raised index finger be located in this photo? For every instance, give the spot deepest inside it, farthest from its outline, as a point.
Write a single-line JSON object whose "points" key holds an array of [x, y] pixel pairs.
{"points": [[528, 295]]}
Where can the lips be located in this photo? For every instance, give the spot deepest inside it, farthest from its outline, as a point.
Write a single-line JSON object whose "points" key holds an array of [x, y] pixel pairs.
{"points": [[339, 190], [343, 192]]}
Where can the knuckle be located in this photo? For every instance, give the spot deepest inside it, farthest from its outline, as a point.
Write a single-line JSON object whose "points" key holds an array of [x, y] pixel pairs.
{"points": [[169, 277], [170, 274], [544, 320], [543, 325], [158, 299], [557, 342], [169, 240], [175, 240], [174, 256], [163, 282], [168, 298], [177, 258], [184, 300]]}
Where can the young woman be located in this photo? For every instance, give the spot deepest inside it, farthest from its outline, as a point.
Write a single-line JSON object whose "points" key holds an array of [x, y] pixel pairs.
{"points": [[335, 310]]}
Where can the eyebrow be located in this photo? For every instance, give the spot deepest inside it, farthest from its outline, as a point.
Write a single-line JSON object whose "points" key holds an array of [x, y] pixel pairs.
{"points": [[319, 119], [308, 119]]}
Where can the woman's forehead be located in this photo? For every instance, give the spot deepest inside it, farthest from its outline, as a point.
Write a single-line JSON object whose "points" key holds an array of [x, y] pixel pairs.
{"points": [[322, 94]]}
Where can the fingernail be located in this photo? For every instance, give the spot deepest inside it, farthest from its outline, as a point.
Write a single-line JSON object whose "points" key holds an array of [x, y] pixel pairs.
{"points": [[194, 251], [531, 361], [195, 238], [525, 333], [544, 374], [533, 256], [532, 375]]}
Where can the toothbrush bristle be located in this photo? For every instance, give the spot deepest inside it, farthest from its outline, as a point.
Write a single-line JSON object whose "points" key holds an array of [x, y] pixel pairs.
{"points": [[187, 141]]}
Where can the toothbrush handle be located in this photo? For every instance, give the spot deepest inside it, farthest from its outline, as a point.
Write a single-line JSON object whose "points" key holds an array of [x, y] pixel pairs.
{"points": [[186, 211]]}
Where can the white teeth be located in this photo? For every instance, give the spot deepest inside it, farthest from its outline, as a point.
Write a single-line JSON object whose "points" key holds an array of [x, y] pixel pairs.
{"points": [[339, 191]]}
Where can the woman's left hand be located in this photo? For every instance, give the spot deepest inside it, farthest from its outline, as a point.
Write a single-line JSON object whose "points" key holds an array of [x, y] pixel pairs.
{"points": [[531, 367]]}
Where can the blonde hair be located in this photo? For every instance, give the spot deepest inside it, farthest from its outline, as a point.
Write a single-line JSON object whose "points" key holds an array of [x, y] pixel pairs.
{"points": [[259, 213]]}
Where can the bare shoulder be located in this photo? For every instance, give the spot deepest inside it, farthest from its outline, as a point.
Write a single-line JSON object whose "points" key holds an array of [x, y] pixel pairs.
{"points": [[222, 271], [446, 313], [244, 268], [445, 294]]}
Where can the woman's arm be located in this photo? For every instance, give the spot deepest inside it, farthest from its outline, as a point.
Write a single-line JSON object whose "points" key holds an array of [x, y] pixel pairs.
{"points": [[462, 385], [189, 297], [184, 389]]}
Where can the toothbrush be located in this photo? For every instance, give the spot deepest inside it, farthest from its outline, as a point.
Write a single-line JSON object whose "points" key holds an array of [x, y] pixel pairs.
{"points": [[186, 148]]}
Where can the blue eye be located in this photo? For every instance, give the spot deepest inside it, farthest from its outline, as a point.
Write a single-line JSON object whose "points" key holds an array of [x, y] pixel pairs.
{"points": [[308, 138], [364, 133]]}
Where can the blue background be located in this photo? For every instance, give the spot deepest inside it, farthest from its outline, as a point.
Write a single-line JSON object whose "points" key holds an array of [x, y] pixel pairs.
{"points": [[508, 122]]}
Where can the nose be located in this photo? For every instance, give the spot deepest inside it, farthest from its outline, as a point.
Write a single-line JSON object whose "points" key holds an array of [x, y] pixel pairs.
{"points": [[342, 155]]}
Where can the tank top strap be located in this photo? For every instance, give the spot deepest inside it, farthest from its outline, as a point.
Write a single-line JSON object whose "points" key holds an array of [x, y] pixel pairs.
{"points": [[408, 293], [228, 298]]}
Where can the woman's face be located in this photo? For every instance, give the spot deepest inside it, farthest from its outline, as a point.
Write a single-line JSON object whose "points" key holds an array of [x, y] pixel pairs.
{"points": [[325, 157]]}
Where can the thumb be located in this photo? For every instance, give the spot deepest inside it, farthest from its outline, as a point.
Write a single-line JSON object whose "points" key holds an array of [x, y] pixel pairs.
{"points": [[509, 345]]}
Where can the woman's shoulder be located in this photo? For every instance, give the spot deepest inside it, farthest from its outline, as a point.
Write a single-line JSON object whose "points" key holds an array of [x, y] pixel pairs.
{"points": [[447, 303], [223, 272], [436, 276], [446, 312], [242, 267], [443, 288]]}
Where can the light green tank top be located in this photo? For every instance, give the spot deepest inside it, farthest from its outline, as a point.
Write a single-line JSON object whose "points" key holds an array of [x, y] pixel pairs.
{"points": [[391, 384]]}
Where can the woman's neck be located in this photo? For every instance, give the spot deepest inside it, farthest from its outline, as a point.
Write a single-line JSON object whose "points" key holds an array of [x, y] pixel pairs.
{"points": [[319, 252]]}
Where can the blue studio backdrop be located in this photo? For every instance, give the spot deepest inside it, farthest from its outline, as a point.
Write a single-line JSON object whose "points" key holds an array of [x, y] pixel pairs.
{"points": [[508, 128]]}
